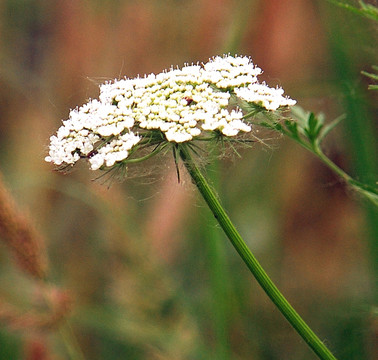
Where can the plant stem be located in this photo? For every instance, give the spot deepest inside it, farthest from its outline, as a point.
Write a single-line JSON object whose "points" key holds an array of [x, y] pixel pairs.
{"points": [[249, 259], [319, 153], [363, 189], [219, 281]]}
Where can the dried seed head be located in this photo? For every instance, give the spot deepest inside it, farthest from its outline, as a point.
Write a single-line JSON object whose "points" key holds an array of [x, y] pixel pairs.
{"points": [[19, 234]]}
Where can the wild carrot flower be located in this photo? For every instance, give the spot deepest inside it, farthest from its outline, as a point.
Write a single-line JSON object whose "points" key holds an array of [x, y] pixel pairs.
{"points": [[179, 106], [174, 106]]}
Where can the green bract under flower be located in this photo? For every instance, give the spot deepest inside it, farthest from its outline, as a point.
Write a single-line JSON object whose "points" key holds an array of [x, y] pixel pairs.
{"points": [[180, 104]]}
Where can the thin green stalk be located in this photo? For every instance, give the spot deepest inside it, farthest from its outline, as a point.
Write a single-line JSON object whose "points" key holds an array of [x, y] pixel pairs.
{"points": [[70, 342], [249, 259], [146, 157], [317, 151], [219, 275], [365, 190]]}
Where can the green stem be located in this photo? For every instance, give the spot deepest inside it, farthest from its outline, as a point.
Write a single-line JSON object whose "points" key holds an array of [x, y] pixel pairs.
{"points": [[219, 276], [365, 190], [319, 153], [254, 266], [146, 157]]}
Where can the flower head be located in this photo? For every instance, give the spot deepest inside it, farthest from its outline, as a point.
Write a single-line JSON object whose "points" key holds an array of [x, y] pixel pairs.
{"points": [[174, 106]]}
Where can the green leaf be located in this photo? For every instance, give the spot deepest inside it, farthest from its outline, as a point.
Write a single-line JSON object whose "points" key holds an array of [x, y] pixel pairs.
{"points": [[310, 125], [300, 117], [373, 77], [273, 126], [367, 10], [370, 75], [314, 126], [292, 126], [329, 127]]}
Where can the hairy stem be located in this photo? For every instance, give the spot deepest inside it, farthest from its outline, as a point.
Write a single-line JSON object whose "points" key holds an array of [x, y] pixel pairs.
{"points": [[365, 190], [368, 191], [249, 259]]}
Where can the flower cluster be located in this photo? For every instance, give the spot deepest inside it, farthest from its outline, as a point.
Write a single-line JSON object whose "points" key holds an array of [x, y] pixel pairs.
{"points": [[180, 104]]}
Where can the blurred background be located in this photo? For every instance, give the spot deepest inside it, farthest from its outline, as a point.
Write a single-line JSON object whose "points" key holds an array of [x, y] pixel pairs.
{"points": [[149, 273]]}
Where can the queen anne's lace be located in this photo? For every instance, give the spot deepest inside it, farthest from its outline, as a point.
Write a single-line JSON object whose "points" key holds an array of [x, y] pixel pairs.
{"points": [[182, 104]]}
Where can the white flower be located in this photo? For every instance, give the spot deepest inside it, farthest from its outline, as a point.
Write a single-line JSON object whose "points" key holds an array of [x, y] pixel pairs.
{"points": [[181, 104], [114, 151], [231, 72], [263, 95]]}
